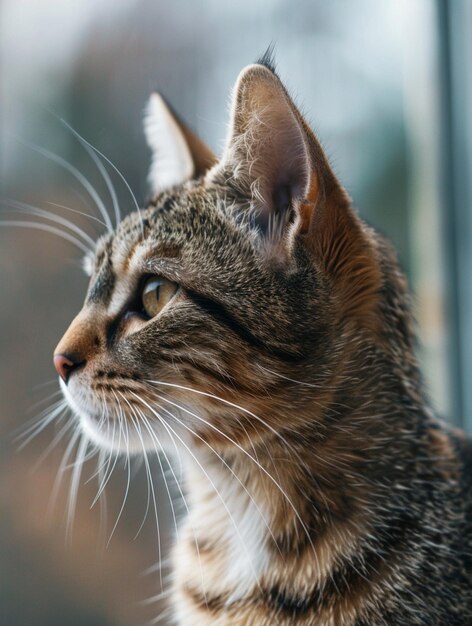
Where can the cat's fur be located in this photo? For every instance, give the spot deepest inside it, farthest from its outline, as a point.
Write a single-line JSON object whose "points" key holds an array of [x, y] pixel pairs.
{"points": [[321, 490]]}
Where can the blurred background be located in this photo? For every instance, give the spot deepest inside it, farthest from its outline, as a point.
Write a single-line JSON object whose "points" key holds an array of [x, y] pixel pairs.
{"points": [[387, 86]]}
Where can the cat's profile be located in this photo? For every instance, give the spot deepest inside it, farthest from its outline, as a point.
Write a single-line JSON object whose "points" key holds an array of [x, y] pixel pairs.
{"points": [[249, 321]]}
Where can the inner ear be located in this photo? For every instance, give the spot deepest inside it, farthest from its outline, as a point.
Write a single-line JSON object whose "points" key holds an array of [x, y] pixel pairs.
{"points": [[282, 162], [266, 154], [282, 198], [178, 154]]}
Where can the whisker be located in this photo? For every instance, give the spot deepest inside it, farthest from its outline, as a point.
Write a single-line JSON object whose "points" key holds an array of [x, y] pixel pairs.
{"points": [[34, 430], [151, 485], [192, 432], [224, 401], [45, 384], [22, 207], [128, 475], [77, 175], [292, 380], [48, 229], [160, 465], [133, 197], [109, 456], [102, 499], [60, 472], [60, 435], [68, 208], [92, 152], [156, 598], [164, 615], [74, 485], [87, 457], [31, 424], [213, 487], [155, 440], [154, 568], [272, 430], [148, 498], [246, 453], [108, 472]]}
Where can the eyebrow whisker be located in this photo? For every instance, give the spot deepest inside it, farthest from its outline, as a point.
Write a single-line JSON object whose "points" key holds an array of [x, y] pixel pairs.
{"points": [[127, 185], [93, 153], [47, 228], [83, 180], [23, 207]]}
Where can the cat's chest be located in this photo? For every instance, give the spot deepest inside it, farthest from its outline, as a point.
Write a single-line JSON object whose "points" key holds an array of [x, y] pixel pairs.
{"points": [[222, 549]]}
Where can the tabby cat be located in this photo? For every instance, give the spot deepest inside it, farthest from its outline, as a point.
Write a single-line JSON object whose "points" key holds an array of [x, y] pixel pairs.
{"points": [[249, 321]]}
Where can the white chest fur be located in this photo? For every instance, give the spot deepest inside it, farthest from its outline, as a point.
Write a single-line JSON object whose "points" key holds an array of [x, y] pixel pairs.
{"points": [[225, 516]]}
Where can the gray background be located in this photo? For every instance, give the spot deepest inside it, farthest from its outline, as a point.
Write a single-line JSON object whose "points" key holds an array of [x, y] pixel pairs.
{"points": [[380, 85]]}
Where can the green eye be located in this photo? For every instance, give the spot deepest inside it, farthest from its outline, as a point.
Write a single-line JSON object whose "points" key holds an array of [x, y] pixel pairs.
{"points": [[157, 292]]}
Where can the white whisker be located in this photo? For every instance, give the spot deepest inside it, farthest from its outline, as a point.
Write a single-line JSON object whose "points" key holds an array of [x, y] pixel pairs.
{"points": [[227, 402], [46, 228], [246, 453], [230, 469], [22, 207], [92, 152], [128, 474], [153, 495], [133, 197], [40, 423], [60, 435], [108, 471], [154, 439], [160, 463], [74, 485], [225, 506], [78, 176], [60, 471], [68, 208]]}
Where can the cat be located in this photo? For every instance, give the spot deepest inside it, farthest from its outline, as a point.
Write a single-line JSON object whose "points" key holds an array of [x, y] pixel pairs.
{"points": [[250, 322]]}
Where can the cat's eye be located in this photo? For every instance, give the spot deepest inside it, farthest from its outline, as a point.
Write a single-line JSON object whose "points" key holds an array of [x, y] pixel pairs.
{"points": [[156, 293]]}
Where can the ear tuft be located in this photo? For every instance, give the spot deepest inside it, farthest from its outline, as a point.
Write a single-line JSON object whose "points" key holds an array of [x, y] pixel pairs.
{"points": [[172, 162], [268, 59]]}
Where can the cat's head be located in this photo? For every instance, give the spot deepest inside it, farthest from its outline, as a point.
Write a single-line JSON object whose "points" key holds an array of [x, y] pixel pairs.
{"points": [[241, 277]]}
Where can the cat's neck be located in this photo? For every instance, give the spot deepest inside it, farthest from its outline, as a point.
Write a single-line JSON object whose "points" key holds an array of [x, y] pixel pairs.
{"points": [[260, 526], [295, 512], [290, 507]]}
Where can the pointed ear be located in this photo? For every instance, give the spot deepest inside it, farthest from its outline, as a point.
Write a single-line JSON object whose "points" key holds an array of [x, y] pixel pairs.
{"points": [[267, 155], [274, 164], [177, 153]]}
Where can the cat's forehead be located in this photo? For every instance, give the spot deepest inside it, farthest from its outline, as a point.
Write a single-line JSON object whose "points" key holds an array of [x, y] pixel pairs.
{"points": [[188, 227], [121, 255], [162, 228]]}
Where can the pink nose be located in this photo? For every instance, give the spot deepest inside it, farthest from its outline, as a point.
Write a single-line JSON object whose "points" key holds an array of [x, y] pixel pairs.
{"points": [[64, 366]]}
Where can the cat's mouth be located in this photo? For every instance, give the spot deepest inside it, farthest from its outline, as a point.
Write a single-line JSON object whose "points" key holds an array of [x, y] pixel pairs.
{"points": [[96, 424], [109, 427]]}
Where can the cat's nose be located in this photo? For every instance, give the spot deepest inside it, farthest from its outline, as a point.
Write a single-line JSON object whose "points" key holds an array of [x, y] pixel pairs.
{"points": [[65, 364], [80, 342]]}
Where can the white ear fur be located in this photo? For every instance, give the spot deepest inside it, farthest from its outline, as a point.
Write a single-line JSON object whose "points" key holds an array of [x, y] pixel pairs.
{"points": [[172, 162], [87, 264], [266, 150]]}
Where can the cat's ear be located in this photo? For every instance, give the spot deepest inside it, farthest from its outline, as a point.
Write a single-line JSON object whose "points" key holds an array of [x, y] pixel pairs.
{"points": [[275, 164], [272, 157], [177, 153]]}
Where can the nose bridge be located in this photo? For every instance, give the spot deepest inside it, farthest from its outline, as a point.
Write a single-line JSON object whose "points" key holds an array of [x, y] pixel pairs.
{"points": [[82, 339]]}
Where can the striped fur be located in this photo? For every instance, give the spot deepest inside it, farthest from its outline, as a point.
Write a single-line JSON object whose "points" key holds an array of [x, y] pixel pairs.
{"points": [[321, 490]]}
